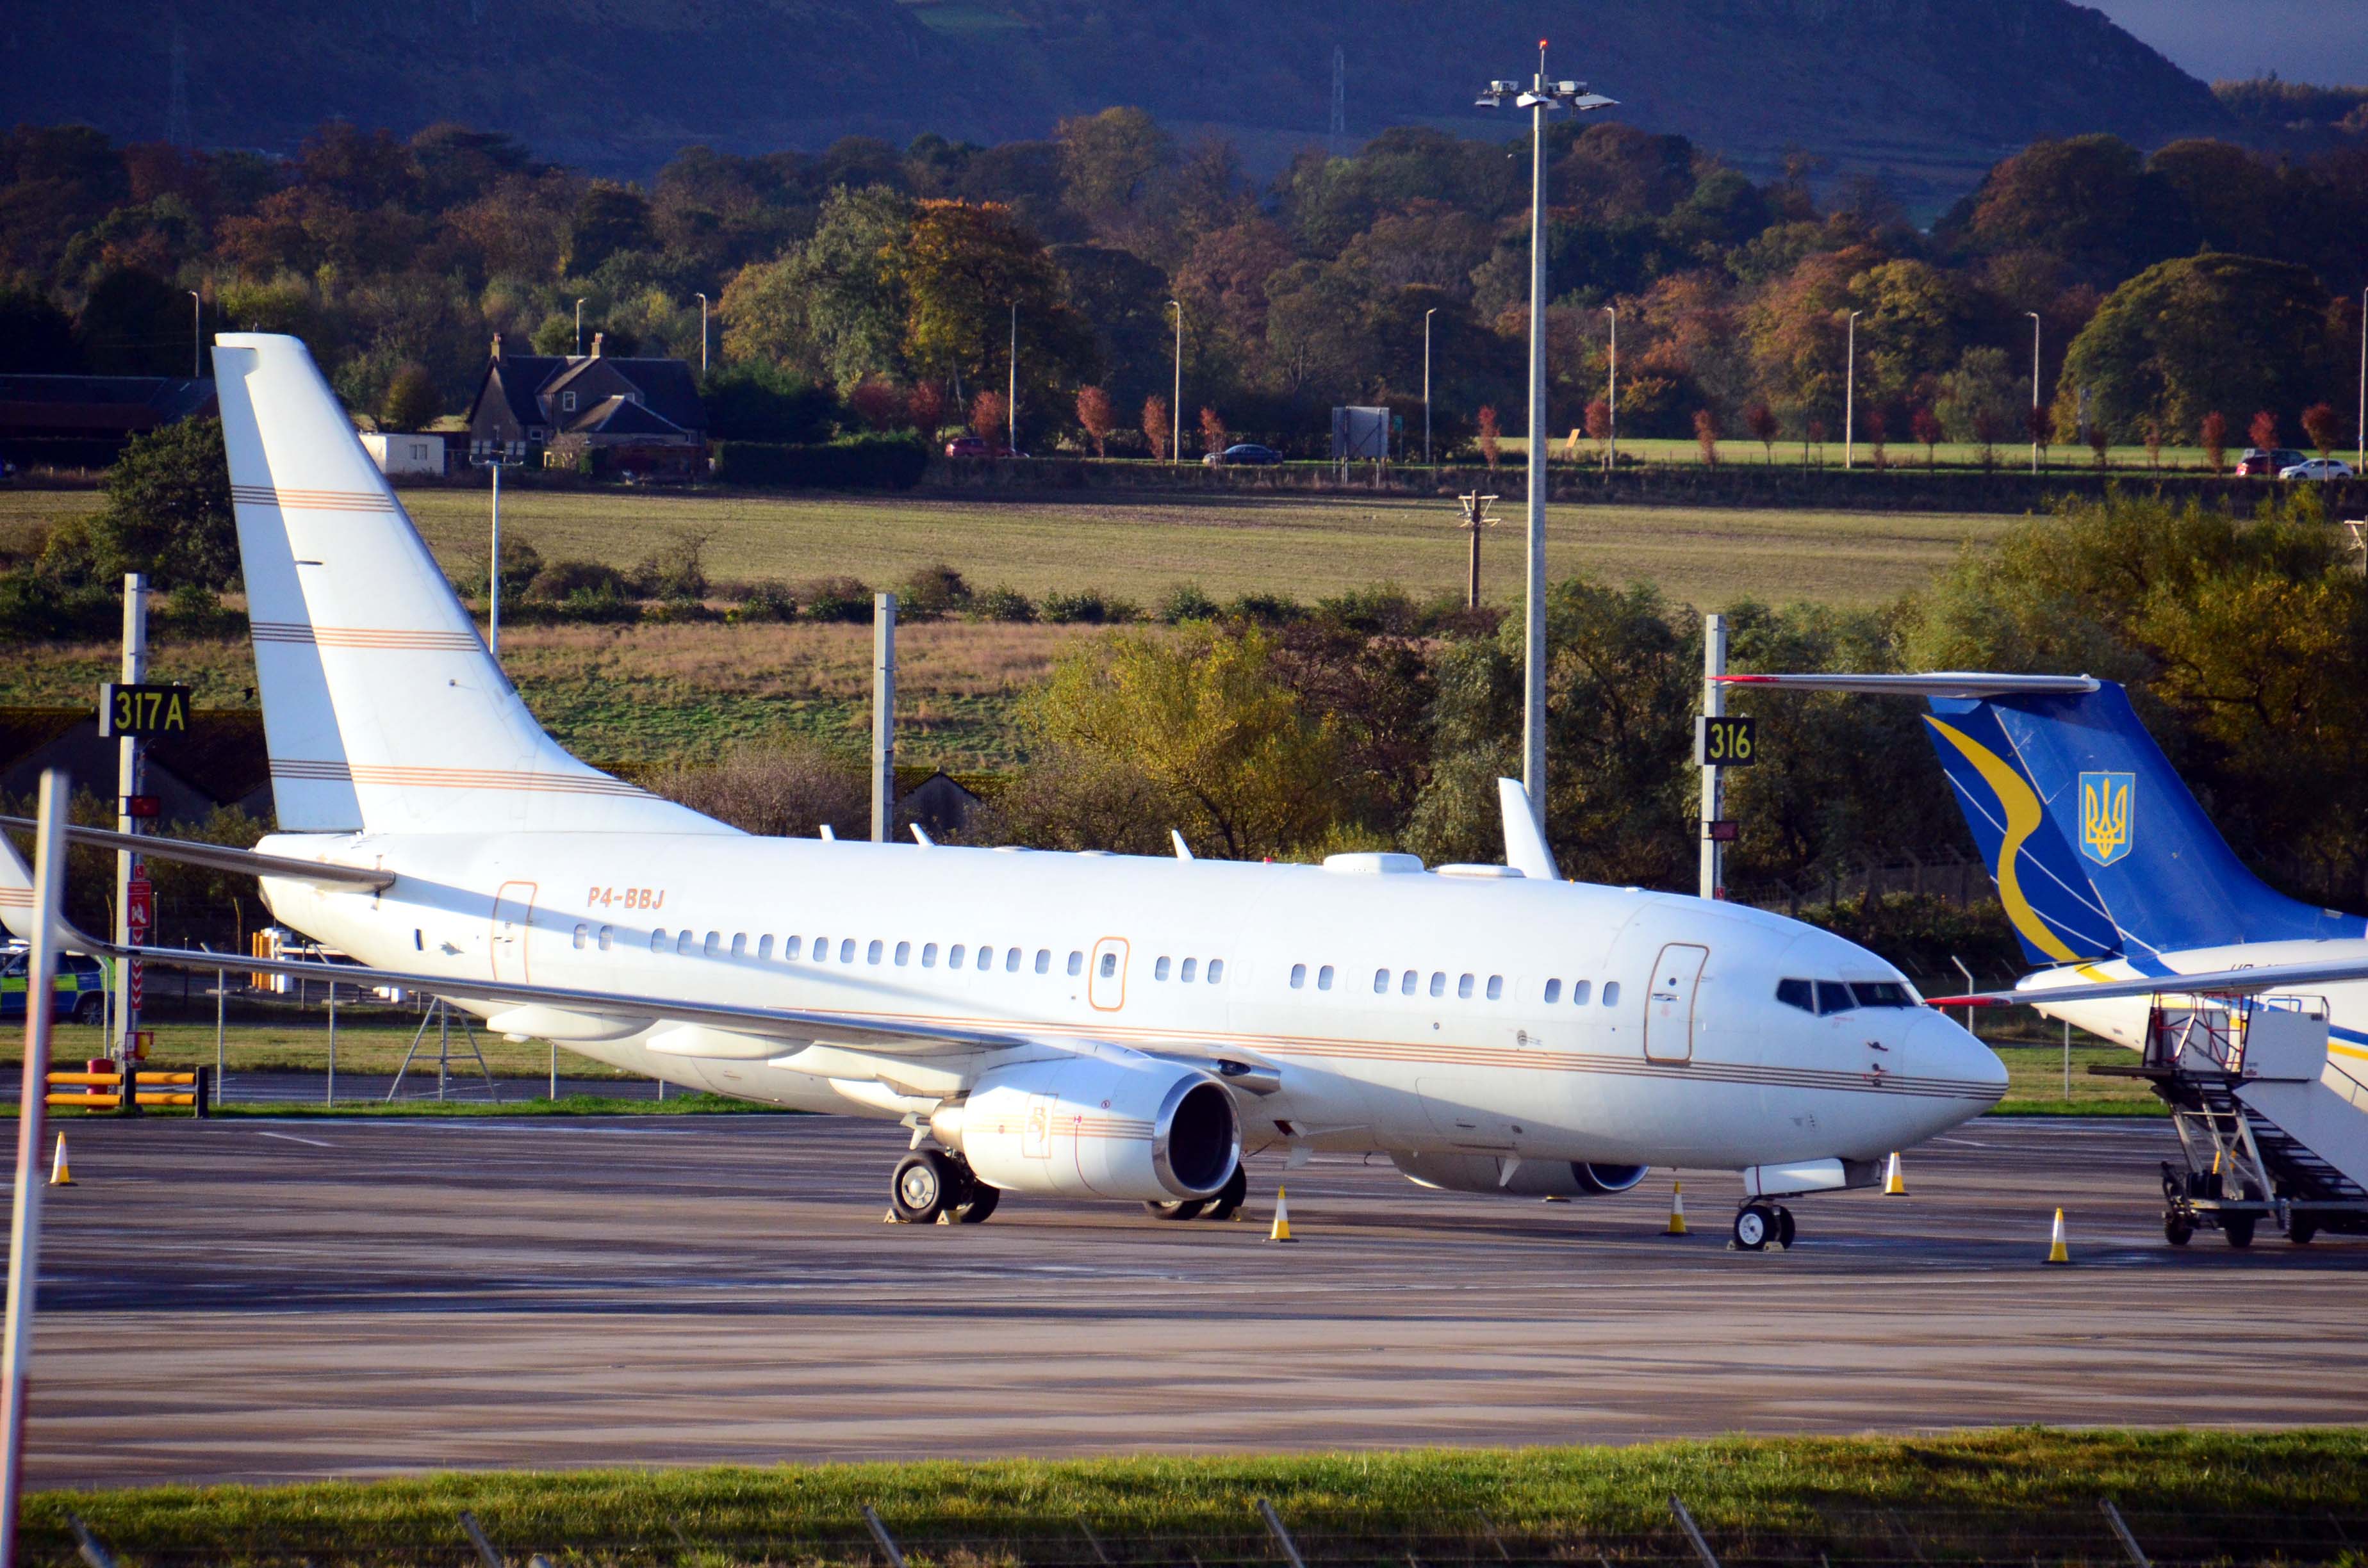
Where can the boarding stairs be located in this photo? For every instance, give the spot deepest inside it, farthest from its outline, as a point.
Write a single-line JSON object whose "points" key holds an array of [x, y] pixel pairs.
{"points": [[2269, 1127]]}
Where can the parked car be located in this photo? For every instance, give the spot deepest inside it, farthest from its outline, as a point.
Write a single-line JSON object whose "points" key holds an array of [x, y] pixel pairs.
{"points": [[978, 447], [2318, 468], [81, 986], [1247, 454], [2265, 462]]}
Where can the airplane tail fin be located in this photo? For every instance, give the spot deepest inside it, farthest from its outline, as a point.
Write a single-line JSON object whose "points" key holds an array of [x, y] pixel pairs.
{"points": [[2105, 837], [381, 709]]}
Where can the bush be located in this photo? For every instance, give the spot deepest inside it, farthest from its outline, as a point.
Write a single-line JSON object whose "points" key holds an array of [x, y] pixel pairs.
{"points": [[1185, 602], [766, 601], [33, 609], [673, 574], [1269, 609], [837, 598], [931, 592], [1385, 611], [776, 790], [872, 461], [1003, 604], [679, 612], [1088, 607], [606, 604], [563, 580]]}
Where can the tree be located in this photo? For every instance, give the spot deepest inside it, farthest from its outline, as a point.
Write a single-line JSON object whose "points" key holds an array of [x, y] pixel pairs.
{"points": [[1212, 431], [1877, 428], [1979, 397], [2152, 443], [411, 399], [1706, 435], [1761, 420], [1155, 427], [134, 323], [2215, 434], [1095, 418], [989, 416], [167, 514], [36, 337], [2264, 430], [1107, 164], [925, 406], [2318, 424], [833, 308], [2040, 420], [610, 218], [1488, 441], [2205, 332], [878, 404], [1598, 426], [1927, 426], [2086, 198], [2100, 442], [965, 270]]}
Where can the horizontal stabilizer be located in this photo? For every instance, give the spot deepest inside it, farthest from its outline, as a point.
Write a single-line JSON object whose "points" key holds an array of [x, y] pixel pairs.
{"points": [[221, 857], [2251, 981]]}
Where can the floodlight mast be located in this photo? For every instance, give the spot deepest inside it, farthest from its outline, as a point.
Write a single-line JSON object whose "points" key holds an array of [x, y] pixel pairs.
{"points": [[1540, 98]]}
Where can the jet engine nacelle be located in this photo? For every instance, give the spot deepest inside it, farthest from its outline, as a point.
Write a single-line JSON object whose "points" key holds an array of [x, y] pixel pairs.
{"points": [[1530, 1178], [1084, 1127]]}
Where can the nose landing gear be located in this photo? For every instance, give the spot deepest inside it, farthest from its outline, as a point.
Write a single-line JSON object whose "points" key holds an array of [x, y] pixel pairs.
{"points": [[1757, 1225]]}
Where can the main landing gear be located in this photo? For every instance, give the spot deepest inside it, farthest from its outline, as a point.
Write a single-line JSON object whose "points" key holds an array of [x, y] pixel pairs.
{"points": [[931, 1182], [1222, 1207], [1759, 1224]]}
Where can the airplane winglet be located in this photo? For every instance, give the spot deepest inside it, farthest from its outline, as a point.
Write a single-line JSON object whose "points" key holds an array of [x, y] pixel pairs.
{"points": [[923, 839], [1183, 850], [1525, 847], [15, 892]]}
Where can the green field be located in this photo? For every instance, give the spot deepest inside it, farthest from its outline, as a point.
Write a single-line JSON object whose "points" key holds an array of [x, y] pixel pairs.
{"points": [[2018, 1495]]}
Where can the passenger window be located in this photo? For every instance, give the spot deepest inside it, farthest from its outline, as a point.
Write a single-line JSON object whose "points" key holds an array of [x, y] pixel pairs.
{"points": [[739, 944], [1298, 976], [846, 949], [1554, 992], [765, 947], [1408, 982], [1011, 960], [1581, 990], [1879, 994], [904, 954], [1190, 965], [658, 940], [1109, 965], [1324, 978], [871, 953], [1044, 960], [1216, 970], [1797, 994], [1495, 987], [1833, 996], [821, 949], [714, 941], [682, 944], [1462, 988], [928, 955], [1076, 964], [954, 958], [986, 957], [1381, 981], [583, 932], [608, 938], [1159, 969], [791, 948], [1438, 984], [1611, 993]]}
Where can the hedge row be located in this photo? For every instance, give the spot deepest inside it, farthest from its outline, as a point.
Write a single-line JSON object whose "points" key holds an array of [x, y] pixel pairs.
{"points": [[854, 462]]}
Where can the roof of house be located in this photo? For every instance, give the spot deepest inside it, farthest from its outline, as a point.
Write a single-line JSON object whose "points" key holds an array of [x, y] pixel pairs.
{"points": [[620, 415], [530, 384], [519, 376], [668, 387]]}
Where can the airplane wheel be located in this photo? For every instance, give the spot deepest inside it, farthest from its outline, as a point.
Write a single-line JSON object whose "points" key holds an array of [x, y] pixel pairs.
{"points": [[1784, 1228], [2302, 1231], [1187, 1210], [2177, 1228], [977, 1203], [1229, 1197], [1755, 1227], [2238, 1229], [923, 1181]]}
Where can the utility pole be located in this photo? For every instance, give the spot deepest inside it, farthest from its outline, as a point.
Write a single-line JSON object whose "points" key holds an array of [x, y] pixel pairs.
{"points": [[197, 336], [1850, 394], [1175, 408], [133, 894], [2360, 465], [1611, 399], [1476, 518], [702, 336], [883, 716], [1713, 852], [579, 329], [2034, 389], [1541, 97], [494, 575], [1425, 384], [1011, 395]]}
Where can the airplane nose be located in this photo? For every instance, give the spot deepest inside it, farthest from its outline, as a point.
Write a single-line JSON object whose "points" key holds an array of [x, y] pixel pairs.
{"points": [[1938, 1046]]}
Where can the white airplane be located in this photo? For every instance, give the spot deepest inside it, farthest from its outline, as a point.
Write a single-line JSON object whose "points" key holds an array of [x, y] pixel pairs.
{"points": [[1084, 1025]]}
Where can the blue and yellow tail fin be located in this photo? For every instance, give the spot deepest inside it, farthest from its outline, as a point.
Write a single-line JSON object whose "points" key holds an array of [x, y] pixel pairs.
{"points": [[2057, 912]]}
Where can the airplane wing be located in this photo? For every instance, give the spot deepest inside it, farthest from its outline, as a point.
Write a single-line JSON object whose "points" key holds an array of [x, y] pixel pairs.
{"points": [[219, 857], [1938, 683], [2212, 983]]}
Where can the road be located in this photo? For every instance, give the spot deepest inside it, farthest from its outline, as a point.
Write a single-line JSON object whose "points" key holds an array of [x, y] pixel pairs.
{"points": [[242, 1301]]}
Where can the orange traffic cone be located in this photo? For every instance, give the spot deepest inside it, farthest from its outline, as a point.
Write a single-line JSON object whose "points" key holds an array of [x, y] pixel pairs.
{"points": [[1895, 1181], [2056, 1249], [59, 1175], [1281, 1228], [1677, 1209]]}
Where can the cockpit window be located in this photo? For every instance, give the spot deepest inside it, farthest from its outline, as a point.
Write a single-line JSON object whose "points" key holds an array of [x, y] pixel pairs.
{"points": [[1797, 994], [1833, 996], [1880, 993]]}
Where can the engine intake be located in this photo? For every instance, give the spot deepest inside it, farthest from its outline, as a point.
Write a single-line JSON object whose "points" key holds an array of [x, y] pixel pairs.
{"points": [[1084, 1127]]}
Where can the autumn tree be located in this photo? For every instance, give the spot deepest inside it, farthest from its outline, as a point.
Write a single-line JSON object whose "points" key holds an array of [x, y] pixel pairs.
{"points": [[1598, 426], [1761, 420], [1156, 429], [2318, 424], [1095, 418], [1927, 427], [1488, 441], [1877, 428], [411, 399], [1212, 430], [2263, 431], [1706, 435], [925, 406], [965, 270], [989, 418], [878, 403], [2213, 433]]}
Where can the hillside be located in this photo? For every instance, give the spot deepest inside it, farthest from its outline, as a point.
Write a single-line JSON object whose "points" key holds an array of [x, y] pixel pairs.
{"points": [[1930, 91]]}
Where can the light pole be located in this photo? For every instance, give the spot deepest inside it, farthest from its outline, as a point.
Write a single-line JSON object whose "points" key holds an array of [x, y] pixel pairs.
{"points": [[1425, 384], [702, 336], [1176, 407], [197, 336], [1011, 391], [2362, 456], [2034, 389], [1541, 97], [1850, 394], [1611, 399], [579, 329]]}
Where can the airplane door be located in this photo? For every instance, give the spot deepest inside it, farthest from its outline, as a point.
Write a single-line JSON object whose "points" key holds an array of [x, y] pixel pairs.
{"points": [[1670, 1003], [1106, 979], [513, 919]]}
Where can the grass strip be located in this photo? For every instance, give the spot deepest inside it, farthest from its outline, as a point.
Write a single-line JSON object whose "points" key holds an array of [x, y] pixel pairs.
{"points": [[2013, 1494]]}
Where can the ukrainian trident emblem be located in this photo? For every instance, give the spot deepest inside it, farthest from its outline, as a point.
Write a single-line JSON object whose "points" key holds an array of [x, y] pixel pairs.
{"points": [[2105, 815]]}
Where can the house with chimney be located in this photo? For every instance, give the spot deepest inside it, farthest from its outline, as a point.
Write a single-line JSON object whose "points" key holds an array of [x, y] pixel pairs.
{"points": [[597, 413]]}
